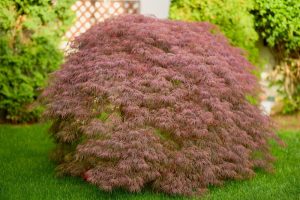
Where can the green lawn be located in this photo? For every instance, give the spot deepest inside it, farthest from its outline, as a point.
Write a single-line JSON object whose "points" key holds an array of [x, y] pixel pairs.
{"points": [[27, 173]]}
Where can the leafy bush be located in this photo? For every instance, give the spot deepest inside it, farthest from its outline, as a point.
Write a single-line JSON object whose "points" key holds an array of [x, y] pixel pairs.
{"points": [[144, 101], [278, 22], [232, 16], [30, 32]]}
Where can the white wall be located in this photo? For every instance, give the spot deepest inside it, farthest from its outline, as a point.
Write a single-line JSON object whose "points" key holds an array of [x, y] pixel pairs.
{"points": [[158, 8]]}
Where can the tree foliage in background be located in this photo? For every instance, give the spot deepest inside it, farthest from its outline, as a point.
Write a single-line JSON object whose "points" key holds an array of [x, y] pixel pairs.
{"points": [[162, 103], [278, 21], [232, 16], [30, 33]]}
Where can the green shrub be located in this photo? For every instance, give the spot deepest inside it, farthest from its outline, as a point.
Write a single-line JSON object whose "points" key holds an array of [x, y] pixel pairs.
{"points": [[232, 16], [30, 33], [278, 21]]}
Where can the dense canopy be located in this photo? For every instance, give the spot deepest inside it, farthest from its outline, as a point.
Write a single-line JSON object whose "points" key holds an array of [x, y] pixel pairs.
{"points": [[142, 101]]}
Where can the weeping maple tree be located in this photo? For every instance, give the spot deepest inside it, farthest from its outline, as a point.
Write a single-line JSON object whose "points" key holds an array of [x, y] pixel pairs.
{"points": [[142, 101]]}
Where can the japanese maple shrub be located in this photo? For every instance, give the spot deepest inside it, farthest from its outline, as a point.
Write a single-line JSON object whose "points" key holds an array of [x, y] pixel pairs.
{"points": [[143, 101]]}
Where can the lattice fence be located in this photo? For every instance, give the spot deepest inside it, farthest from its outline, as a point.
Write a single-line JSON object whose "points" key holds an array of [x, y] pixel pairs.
{"points": [[88, 12]]}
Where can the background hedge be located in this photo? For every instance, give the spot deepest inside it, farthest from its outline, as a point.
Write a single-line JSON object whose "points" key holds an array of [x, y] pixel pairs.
{"points": [[30, 33]]}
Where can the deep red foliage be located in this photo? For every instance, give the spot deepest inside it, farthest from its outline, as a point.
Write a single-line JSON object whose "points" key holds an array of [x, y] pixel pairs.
{"points": [[157, 102]]}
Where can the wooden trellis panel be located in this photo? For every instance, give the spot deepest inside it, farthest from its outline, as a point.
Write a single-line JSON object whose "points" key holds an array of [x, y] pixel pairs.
{"points": [[88, 12]]}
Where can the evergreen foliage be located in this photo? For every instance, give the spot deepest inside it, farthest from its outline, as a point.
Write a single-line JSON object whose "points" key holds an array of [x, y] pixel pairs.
{"points": [[143, 101], [30, 33]]}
